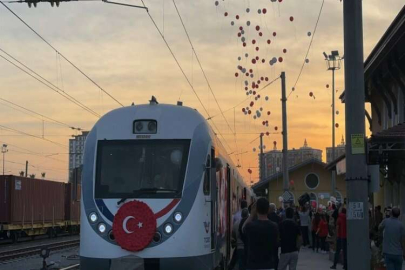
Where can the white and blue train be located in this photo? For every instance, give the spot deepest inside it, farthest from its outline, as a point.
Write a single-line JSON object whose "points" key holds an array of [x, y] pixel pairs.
{"points": [[158, 190]]}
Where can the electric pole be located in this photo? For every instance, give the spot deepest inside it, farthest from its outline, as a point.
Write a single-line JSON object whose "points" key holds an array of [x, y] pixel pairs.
{"points": [[333, 62], [285, 142], [356, 168], [4, 150]]}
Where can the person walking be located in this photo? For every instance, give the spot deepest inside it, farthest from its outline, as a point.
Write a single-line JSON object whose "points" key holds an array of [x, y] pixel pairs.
{"points": [[341, 242], [240, 241], [261, 237], [238, 215], [304, 223], [289, 233], [393, 239], [322, 233], [314, 230], [378, 217], [273, 215]]}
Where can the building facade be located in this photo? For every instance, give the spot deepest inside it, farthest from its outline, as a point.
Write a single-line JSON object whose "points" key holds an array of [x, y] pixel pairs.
{"points": [[340, 150], [310, 176], [273, 160], [76, 148]]}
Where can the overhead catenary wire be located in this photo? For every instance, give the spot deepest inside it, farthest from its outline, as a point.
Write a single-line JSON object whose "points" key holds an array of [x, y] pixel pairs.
{"points": [[309, 48], [32, 135], [63, 56], [184, 74], [203, 72], [52, 86], [246, 99], [39, 114]]}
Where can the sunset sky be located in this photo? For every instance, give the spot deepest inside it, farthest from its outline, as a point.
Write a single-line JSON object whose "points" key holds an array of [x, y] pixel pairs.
{"points": [[121, 50]]}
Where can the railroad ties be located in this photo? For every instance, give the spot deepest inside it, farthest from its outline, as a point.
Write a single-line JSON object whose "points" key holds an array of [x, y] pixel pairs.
{"points": [[10, 255]]}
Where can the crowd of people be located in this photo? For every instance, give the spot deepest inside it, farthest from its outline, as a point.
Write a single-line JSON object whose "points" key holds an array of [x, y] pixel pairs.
{"points": [[265, 237]]}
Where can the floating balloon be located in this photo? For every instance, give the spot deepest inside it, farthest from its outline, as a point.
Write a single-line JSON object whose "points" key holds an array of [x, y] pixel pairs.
{"points": [[260, 34], [226, 14], [216, 3], [293, 89], [248, 23], [261, 109], [274, 34], [268, 113], [252, 103], [337, 112], [266, 79], [268, 41], [246, 55], [257, 48], [266, 98], [291, 18], [248, 10], [275, 128], [254, 117], [307, 60], [311, 94], [267, 133], [243, 39], [336, 125], [232, 23], [327, 86], [253, 61], [263, 60], [239, 58], [237, 17], [249, 112], [244, 44], [280, 59], [236, 74], [257, 28], [259, 11], [254, 149], [264, 11], [284, 50], [253, 41]]}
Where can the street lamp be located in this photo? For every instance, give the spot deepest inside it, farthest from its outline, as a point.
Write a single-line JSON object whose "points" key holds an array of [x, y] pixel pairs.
{"points": [[333, 63], [4, 150]]}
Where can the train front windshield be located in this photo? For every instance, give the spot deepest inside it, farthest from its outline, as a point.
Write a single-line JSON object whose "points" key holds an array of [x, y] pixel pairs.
{"points": [[141, 168]]}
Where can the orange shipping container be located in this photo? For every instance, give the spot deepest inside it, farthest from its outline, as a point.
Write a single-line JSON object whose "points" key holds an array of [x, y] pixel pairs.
{"points": [[27, 200]]}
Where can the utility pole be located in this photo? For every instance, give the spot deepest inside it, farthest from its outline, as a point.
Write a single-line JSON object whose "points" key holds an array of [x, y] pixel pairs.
{"points": [[4, 150], [333, 62], [285, 142], [261, 169], [356, 168], [26, 168]]}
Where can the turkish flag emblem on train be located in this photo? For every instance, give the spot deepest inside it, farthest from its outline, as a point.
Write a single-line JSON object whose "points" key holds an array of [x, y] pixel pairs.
{"points": [[134, 226]]}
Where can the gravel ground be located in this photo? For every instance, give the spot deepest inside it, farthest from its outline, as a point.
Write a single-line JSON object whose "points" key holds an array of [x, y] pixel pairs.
{"points": [[60, 259], [33, 243]]}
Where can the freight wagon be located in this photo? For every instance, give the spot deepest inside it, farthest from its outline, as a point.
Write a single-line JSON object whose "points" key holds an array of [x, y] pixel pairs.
{"points": [[30, 207]]}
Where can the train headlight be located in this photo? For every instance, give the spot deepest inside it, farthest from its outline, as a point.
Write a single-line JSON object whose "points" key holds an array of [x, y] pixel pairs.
{"points": [[152, 127], [93, 217], [102, 228], [178, 217], [168, 228]]}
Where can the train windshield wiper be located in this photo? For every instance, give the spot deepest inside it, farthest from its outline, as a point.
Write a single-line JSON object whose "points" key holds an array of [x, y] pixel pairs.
{"points": [[129, 196], [157, 190]]}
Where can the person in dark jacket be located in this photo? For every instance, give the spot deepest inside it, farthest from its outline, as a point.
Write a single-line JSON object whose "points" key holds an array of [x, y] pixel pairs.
{"points": [[261, 237], [289, 232]]}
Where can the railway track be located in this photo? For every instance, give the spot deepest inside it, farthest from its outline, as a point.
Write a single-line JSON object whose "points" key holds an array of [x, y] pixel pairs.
{"points": [[10, 255]]}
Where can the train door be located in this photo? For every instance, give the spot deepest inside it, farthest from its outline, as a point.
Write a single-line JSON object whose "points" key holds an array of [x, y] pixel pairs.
{"points": [[228, 213]]}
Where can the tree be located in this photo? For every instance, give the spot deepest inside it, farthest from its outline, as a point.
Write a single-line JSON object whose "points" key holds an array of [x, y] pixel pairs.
{"points": [[22, 173], [32, 175], [43, 175]]}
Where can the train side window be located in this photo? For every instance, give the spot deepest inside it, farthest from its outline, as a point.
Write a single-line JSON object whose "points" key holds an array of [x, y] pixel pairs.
{"points": [[207, 182]]}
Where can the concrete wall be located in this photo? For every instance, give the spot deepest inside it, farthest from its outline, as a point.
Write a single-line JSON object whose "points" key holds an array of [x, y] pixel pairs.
{"points": [[275, 187]]}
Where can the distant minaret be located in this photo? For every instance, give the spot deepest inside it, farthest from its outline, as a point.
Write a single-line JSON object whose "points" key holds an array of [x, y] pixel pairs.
{"points": [[343, 141], [305, 143]]}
